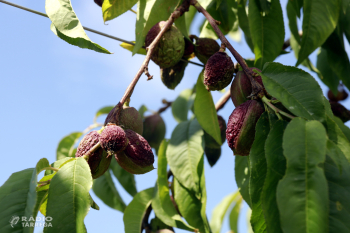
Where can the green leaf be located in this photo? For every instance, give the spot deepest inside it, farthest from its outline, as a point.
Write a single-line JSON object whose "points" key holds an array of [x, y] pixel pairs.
{"points": [[339, 192], [244, 24], [180, 23], [297, 5], [159, 9], [135, 211], [66, 145], [93, 204], [337, 58], [298, 91], [101, 111], [233, 218], [267, 32], [162, 205], [45, 178], [69, 199], [105, 189], [179, 106], [184, 153], [58, 164], [345, 22], [130, 47], [258, 173], [220, 211], [265, 6], [66, 25], [320, 18], [343, 128], [191, 207], [328, 77], [276, 166], [242, 176], [189, 16], [142, 110], [205, 112], [113, 8], [126, 179], [293, 25], [334, 153], [303, 189]]}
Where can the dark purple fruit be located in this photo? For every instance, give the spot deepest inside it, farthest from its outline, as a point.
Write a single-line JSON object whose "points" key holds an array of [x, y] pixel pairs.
{"points": [[205, 48], [189, 49], [172, 76], [340, 111], [99, 2], [154, 130], [341, 95], [240, 130], [130, 118], [113, 139], [210, 141]]}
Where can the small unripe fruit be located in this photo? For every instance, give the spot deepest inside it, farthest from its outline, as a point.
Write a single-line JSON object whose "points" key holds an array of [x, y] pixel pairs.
{"points": [[138, 157], [341, 95], [154, 130], [172, 76], [205, 48], [113, 139], [212, 154], [218, 71], [241, 87], [340, 111], [240, 130], [170, 48], [130, 118], [98, 161]]}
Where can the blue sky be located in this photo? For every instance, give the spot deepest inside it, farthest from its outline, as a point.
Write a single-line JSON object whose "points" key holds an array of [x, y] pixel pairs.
{"points": [[49, 88]]}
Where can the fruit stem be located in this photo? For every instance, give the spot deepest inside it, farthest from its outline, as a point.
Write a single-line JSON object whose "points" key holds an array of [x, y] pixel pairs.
{"points": [[92, 150], [256, 87], [51, 168], [277, 110]]}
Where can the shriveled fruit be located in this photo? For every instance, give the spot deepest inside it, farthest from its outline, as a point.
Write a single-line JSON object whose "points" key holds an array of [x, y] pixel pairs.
{"points": [[189, 49], [241, 87], [170, 48], [99, 2], [205, 48], [340, 111], [113, 139], [172, 76], [138, 157], [218, 72], [154, 130], [98, 161], [341, 95], [240, 130], [212, 154], [130, 118], [210, 141]]}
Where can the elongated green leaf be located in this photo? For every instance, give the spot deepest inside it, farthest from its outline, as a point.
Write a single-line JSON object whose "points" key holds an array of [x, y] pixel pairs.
{"points": [[303, 189], [159, 9], [113, 8], [191, 207], [244, 24], [66, 145], [180, 23], [105, 189], [242, 176], [292, 21], [184, 153], [233, 218], [343, 128], [205, 112], [101, 111], [220, 211], [276, 166], [58, 164], [69, 199], [126, 179], [335, 154], [339, 191], [328, 76], [66, 25], [258, 173], [179, 106], [267, 32], [161, 203], [297, 5], [130, 47], [134, 212], [142, 110], [337, 57], [345, 22], [189, 16], [297, 90], [320, 18]]}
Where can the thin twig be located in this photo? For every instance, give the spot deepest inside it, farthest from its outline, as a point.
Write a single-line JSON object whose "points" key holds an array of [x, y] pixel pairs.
{"points": [[223, 100], [277, 110], [167, 105]]}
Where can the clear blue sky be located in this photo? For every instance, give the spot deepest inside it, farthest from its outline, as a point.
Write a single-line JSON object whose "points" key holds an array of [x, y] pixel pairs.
{"points": [[49, 88]]}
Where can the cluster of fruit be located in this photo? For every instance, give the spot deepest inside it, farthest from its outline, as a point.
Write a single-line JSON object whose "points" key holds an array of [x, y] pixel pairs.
{"points": [[132, 151]]}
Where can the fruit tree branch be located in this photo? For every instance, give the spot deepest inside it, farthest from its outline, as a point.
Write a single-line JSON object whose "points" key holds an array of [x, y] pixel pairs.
{"points": [[223, 100], [257, 88]]}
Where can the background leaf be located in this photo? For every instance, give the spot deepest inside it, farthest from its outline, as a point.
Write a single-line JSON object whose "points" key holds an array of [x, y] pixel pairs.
{"points": [[66, 145], [179, 106], [303, 189], [233, 218], [126, 179], [242, 176], [101, 111], [113, 8], [244, 24], [69, 28], [328, 76]]}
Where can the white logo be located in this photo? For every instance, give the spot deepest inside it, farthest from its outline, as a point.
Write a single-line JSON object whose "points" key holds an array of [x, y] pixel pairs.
{"points": [[14, 220]]}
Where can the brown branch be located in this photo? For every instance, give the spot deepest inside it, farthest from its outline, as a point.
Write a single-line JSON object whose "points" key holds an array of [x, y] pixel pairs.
{"points": [[223, 100], [257, 88], [167, 105]]}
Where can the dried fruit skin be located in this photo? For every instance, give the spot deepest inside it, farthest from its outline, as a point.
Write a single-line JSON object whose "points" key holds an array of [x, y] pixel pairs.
{"points": [[205, 48], [154, 130], [241, 87], [98, 161], [172, 76], [240, 130], [341, 95], [210, 141], [170, 48], [130, 118], [138, 157], [340, 111], [218, 71], [113, 139]]}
